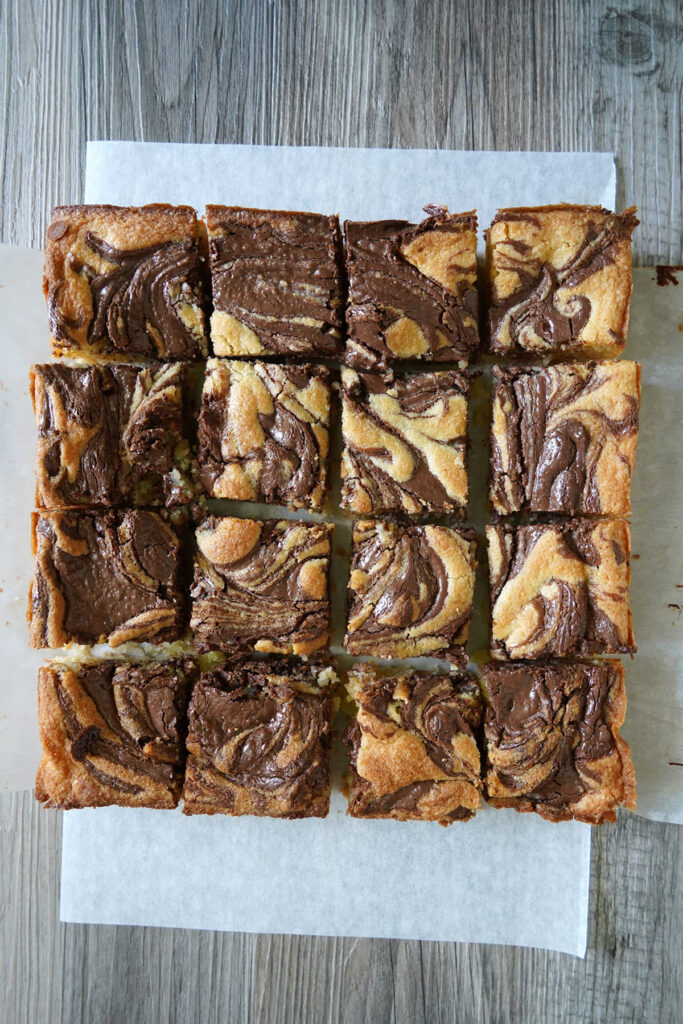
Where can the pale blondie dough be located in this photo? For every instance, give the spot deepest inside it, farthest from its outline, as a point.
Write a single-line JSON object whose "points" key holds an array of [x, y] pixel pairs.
{"points": [[560, 590], [563, 438], [560, 281], [264, 432], [125, 282], [261, 586], [410, 590], [412, 746], [553, 743], [405, 443]]}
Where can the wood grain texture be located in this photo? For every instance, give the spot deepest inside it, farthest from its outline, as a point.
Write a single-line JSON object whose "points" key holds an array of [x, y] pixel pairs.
{"points": [[489, 74]]}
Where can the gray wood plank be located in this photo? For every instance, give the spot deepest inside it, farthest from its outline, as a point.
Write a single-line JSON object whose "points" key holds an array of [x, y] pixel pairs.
{"points": [[561, 74]]}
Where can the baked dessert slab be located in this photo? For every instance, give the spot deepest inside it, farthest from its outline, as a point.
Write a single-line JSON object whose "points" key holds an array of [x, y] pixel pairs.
{"points": [[560, 281], [110, 435], [553, 743], [276, 281], [563, 438], [410, 590], [412, 290], [124, 282], [560, 589], [261, 586], [112, 733], [105, 577], [412, 746], [258, 740], [264, 432], [405, 443]]}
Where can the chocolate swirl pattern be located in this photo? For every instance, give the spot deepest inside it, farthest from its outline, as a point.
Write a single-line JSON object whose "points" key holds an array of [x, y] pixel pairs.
{"points": [[105, 577], [112, 733], [261, 586], [560, 280], [109, 435], [264, 432], [412, 290], [258, 741], [405, 442], [413, 749], [552, 740], [410, 590], [124, 282], [560, 591], [563, 439], [276, 279]]}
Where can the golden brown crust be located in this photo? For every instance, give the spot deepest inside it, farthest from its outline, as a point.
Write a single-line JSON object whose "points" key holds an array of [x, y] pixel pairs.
{"points": [[413, 748], [112, 733], [560, 280], [553, 743], [125, 282]]}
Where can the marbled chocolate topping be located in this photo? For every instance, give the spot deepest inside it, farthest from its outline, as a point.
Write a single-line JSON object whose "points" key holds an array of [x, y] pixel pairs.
{"points": [[279, 274], [534, 308], [136, 305], [102, 576], [558, 426], [384, 287], [274, 597], [415, 413], [546, 726]]}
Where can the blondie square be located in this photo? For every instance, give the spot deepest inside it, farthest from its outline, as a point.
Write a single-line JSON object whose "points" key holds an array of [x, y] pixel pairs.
{"points": [[112, 733], [563, 439], [560, 281], [258, 740], [110, 435], [405, 443], [264, 432], [261, 586], [553, 743], [412, 746], [277, 282], [560, 590], [410, 590], [105, 577], [123, 282], [412, 290]]}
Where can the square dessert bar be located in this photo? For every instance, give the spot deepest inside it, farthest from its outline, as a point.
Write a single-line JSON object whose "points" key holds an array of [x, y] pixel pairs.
{"points": [[560, 281], [110, 435], [412, 290], [261, 586], [563, 439], [405, 443], [413, 747], [410, 590], [277, 282], [125, 282], [553, 743], [258, 740], [112, 733], [560, 590], [264, 432], [105, 577]]}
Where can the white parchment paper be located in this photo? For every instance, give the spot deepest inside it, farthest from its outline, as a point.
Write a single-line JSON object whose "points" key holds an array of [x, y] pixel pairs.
{"points": [[488, 880]]}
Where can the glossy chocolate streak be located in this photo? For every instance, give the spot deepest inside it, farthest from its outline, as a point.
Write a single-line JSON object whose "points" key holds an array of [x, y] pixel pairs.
{"points": [[384, 286], [549, 459], [414, 395], [534, 308], [548, 723], [135, 304], [278, 273]]}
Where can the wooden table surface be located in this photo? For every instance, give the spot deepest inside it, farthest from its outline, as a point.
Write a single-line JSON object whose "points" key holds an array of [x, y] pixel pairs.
{"points": [[485, 74]]}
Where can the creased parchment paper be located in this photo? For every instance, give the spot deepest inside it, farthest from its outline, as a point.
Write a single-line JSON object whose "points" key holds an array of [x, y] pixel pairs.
{"points": [[501, 878]]}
